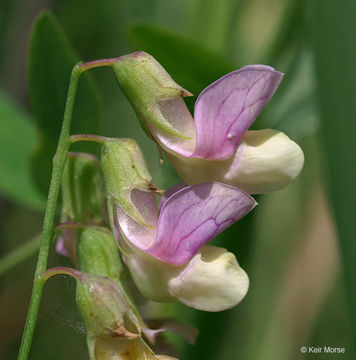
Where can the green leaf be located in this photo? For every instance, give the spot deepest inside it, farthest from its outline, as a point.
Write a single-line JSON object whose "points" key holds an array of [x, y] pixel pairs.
{"points": [[334, 29], [17, 140], [293, 108], [50, 63], [191, 65], [100, 22]]}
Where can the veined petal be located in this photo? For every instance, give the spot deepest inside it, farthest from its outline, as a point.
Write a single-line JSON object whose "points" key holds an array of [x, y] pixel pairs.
{"points": [[228, 107], [170, 192], [211, 281], [193, 216]]}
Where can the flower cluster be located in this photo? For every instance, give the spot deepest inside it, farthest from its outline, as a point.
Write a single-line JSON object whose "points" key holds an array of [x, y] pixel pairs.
{"points": [[164, 245]]}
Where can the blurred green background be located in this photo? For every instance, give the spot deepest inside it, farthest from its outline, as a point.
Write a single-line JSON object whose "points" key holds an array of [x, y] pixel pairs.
{"points": [[298, 246]]}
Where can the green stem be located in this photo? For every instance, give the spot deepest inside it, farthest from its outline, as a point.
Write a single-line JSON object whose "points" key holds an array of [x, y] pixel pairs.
{"points": [[22, 253], [59, 161], [47, 233]]}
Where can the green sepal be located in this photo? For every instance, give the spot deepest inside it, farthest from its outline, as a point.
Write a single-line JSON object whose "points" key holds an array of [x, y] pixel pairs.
{"points": [[145, 83], [104, 308], [83, 193], [124, 170], [98, 253]]}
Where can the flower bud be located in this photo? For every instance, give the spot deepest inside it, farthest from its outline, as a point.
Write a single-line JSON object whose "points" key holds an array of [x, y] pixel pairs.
{"points": [[114, 331], [83, 195], [104, 309], [83, 199], [102, 305], [113, 327], [98, 253]]}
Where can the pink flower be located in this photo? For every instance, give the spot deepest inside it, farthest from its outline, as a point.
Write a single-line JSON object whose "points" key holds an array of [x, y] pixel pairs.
{"points": [[216, 145], [189, 217], [169, 260]]}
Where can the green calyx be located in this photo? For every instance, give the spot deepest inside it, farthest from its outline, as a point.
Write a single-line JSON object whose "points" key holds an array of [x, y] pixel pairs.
{"points": [[83, 194], [145, 83], [98, 253], [124, 170], [104, 309]]}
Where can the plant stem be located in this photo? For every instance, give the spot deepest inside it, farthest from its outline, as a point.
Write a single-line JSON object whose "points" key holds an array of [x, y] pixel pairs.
{"points": [[59, 161], [47, 233], [23, 252]]}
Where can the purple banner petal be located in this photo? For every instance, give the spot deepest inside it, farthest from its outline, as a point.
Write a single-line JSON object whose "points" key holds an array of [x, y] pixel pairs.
{"points": [[228, 107], [193, 216]]}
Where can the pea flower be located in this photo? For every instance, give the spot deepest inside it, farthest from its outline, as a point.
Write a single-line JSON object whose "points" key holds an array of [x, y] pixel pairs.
{"points": [[216, 145], [165, 250]]}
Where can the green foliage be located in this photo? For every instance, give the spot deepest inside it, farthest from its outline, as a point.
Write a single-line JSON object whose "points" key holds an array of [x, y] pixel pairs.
{"points": [[197, 44], [83, 193], [293, 107], [191, 65], [17, 140], [50, 64], [100, 22], [334, 30]]}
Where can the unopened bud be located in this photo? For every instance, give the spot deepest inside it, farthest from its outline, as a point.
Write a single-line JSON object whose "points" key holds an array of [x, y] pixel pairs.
{"points": [[83, 194], [102, 304], [98, 253], [83, 200], [104, 309]]}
